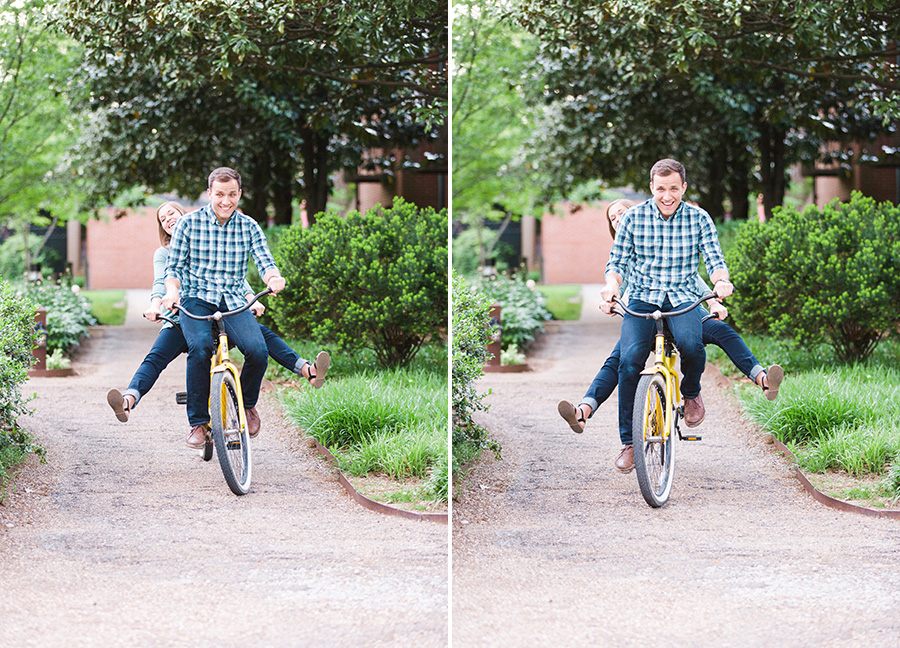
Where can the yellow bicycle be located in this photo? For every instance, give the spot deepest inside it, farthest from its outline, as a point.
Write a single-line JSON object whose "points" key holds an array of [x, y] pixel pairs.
{"points": [[657, 410], [230, 435]]}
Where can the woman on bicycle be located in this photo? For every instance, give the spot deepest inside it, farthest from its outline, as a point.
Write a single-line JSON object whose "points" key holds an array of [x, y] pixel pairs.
{"points": [[715, 331], [170, 342]]}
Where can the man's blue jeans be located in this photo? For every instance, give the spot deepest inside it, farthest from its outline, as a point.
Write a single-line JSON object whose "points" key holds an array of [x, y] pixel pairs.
{"points": [[244, 331], [636, 342]]}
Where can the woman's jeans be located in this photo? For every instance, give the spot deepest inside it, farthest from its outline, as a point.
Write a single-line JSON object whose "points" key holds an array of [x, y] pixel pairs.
{"points": [[170, 343], [244, 331]]}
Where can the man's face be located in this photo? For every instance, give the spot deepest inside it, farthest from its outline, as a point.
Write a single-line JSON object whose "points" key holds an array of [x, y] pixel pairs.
{"points": [[667, 191], [224, 197]]}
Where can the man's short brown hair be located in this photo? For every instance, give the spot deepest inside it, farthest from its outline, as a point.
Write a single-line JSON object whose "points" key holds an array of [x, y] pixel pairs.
{"points": [[666, 167], [223, 174]]}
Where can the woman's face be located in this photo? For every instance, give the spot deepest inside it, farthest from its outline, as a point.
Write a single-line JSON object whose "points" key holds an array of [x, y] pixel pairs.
{"points": [[615, 213], [168, 216]]}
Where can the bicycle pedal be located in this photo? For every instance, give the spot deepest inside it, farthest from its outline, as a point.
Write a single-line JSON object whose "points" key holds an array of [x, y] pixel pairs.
{"points": [[692, 437], [233, 445], [181, 398]]}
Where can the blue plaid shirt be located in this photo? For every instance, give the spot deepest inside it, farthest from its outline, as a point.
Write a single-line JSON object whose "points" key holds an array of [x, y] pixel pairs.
{"points": [[659, 257], [210, 260]]}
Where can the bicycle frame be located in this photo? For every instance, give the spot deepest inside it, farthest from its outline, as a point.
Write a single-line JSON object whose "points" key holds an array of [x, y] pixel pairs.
{"points": [[664, 364], [221, 361]]}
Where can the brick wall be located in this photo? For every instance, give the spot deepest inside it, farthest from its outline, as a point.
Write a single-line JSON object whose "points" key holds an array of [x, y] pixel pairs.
{"points": [[120, 250], [575, 245]]}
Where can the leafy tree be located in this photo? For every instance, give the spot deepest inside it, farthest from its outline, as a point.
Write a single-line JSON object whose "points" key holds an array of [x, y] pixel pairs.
{"points": [[821, 275], [36, 129], [780, 77], [490, 122], [376, 280], [279, 88]]}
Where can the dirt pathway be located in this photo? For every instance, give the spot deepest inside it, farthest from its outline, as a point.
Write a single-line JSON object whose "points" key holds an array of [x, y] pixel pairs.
{"points": [[551, 546], [127, 538]]}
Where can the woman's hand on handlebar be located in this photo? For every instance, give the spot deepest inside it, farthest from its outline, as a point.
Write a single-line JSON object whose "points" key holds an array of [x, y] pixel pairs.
{"points": [[153, 313]]}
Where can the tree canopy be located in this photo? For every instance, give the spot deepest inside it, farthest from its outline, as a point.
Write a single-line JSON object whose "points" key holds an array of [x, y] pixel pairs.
{"points": [[286, 92], [737, 87]]}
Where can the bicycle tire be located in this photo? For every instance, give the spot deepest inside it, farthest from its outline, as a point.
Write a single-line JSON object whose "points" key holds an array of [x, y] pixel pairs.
{"points": [[232, 442], [654, 460]]}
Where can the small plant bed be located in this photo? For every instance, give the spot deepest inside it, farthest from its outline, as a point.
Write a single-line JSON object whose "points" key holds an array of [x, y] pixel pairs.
{"points": [[841, 422], [387, 429]]}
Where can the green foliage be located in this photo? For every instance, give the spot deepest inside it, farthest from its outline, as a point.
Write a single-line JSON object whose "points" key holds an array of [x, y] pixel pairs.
{"points": [[13, 255], [892, 480], [523, 309], [17, 339], [68, 314], [377, 280], [38, 129], [279, 90], [727, 88], [512, 356], [490, 120], [471, 335], [821, 275]]}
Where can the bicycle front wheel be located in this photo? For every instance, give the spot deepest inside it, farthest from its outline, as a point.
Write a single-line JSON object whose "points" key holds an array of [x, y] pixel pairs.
{"points": [[654, 446], [232, 442]]}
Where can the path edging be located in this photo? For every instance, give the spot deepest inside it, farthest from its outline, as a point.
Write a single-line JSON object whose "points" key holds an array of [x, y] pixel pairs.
{"points": [[819, 496], [371, 504]]}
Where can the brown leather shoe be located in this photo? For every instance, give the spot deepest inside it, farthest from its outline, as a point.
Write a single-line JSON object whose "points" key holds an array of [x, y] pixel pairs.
{"points": [[625, 460], [252, 421], [694, 411], [197, 438]]}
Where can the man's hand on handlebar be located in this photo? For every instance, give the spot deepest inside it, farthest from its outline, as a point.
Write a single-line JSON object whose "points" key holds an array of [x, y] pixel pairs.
{"points": [[276, 284], [170, 300], [723, 288]]}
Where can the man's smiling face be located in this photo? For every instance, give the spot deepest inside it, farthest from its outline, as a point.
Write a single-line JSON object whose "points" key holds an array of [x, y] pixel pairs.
{"points": [[224, 197], [667, 191]]}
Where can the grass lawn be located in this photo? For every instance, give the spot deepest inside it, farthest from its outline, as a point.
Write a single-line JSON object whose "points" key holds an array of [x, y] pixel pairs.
{"points": [[563, 300], [842, 422], [382, 426], [108, 306]]}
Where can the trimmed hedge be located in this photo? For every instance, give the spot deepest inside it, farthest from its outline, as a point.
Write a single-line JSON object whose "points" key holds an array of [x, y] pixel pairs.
{"points": [[821, 275], [375, 280]]}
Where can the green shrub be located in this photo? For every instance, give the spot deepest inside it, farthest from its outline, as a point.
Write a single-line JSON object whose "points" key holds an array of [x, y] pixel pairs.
{"points": [[68, 314], [17, 339], [470, 339], [376, 280], [821, 275], [523, 309]]}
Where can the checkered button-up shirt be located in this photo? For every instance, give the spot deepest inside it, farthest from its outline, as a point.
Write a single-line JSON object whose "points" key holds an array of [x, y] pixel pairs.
{"points": [[659, 256], [210, 259]]}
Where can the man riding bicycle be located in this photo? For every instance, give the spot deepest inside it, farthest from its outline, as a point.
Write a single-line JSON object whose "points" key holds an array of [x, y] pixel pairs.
{"points": [[206, 271], [657, 247]]}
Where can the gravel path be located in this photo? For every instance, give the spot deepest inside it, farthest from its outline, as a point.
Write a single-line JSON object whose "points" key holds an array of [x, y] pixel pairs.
{"points": [[552, 546], [127, 538]]}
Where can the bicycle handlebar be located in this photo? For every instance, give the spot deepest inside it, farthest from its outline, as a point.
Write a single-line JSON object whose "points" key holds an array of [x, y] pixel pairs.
{"points": [[657, 314], [219, 315]]}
